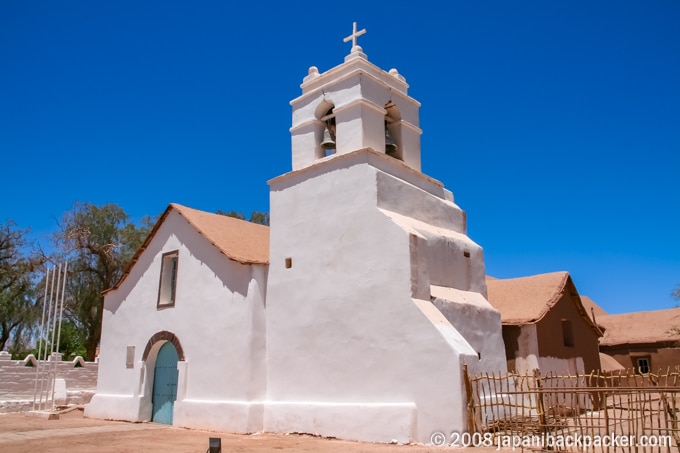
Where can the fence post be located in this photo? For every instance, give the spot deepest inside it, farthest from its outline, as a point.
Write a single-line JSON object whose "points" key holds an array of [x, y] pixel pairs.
{"points": [[542, 420], [470, 400]]}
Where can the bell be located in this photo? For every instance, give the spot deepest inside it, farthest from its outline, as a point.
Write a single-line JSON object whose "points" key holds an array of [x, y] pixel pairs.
{"points": [[328, 141], [390, 146]]}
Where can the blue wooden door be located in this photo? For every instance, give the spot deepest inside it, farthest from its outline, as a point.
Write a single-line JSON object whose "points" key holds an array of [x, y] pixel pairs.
{"points": [[165, 384]]}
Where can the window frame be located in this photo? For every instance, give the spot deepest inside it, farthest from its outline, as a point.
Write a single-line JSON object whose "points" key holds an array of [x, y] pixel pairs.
{"points": [[567, 333], [169, 300], [648, 366]]}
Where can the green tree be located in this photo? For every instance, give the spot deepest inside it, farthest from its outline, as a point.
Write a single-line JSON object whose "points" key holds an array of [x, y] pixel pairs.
{"points": [[234, 214], [18, 302], [259, 217], [675, 294], [255, 217], [98, 242]]}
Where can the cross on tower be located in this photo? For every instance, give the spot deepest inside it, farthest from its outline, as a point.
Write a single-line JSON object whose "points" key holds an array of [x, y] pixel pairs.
{"points": [[353, 37]]}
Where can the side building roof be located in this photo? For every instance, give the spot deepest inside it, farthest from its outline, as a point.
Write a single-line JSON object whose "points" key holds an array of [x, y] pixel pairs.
{"points": [[641, 327], [526, 300], [592, 307], [241, 241]]}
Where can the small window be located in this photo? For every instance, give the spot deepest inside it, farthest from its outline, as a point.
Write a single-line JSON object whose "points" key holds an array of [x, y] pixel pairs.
{"points": [[643, 365], [130, 357], [168, 286], [567, 333]]}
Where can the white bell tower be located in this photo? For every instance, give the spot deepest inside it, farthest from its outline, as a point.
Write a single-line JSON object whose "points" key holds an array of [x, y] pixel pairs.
{"points": [[358, 106], [376, 296]]}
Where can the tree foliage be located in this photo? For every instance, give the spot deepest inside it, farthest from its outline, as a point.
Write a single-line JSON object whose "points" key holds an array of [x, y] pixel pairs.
{"points": [[234, 214], [675, 294], [98, 242], [18, 296], [261, 218]]}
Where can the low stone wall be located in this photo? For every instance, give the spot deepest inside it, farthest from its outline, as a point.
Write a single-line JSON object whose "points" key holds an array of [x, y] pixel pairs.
{"points": [[18, 380]]}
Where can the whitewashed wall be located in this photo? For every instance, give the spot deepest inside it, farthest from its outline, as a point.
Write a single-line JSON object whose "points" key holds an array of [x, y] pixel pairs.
{"points": [[355, 347], [218, 319]]}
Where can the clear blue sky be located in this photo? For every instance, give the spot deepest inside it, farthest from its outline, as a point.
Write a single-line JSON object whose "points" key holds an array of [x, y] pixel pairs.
{"points": [[555, 123]]}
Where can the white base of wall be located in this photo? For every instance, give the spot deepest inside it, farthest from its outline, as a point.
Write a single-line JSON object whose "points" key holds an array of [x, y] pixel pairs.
{"points": [[370, 422], [230, 416], [115, 407]]}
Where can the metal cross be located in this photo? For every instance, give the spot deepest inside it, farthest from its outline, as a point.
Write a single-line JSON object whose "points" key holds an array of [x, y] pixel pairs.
{"points": [[353, 37]]}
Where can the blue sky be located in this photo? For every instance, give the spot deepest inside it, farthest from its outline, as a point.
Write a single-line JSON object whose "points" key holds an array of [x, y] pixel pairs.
{"points": [[556, 124]]}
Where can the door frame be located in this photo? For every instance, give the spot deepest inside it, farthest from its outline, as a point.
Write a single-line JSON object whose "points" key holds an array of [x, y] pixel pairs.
{"points": [[149, 360]]}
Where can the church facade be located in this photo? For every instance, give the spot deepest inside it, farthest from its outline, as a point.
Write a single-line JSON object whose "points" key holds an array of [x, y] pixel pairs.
{"points": [[351, 316]]}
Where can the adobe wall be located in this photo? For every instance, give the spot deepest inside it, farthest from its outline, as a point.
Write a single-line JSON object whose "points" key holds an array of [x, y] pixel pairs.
{"points": [[551, 344], [659, 357], [18, 381]]}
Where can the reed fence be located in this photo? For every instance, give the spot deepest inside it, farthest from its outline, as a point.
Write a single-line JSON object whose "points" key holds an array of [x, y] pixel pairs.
{"points": [[620, 411]]}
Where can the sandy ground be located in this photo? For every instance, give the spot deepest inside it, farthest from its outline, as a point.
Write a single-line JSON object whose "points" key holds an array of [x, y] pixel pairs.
{"points": [[73, 433]]}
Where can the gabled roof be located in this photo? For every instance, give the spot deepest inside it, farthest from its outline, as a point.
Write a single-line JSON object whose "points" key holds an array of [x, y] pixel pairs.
{"points": [[245, 242], [641, 327], [526, 300], [241, 241], [591, 307]]}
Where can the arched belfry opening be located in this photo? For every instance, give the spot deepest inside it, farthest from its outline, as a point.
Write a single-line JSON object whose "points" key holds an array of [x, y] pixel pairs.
{"points": [[393, 146], [327, 144], [352, 107]]}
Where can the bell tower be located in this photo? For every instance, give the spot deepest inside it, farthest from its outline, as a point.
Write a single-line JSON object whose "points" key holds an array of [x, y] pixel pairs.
{"points": [[376, 296], [355, 106]]}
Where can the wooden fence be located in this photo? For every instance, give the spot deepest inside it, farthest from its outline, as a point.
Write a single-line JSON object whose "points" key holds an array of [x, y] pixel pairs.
{"points": [[621, 411]]}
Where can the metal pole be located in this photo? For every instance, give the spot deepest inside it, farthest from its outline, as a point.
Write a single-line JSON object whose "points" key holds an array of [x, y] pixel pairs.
{"points": [[61, 307], [47, 334], [40, 336], [54, 347], [60, 302]]}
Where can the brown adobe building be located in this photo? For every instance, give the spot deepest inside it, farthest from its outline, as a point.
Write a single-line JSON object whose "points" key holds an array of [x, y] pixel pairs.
{"points": [[545, 325], [648, 341]]}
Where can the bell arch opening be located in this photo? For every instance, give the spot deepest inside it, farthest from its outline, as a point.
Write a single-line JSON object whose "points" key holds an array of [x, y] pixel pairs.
{"points": [[326, 130], [393, 140]]}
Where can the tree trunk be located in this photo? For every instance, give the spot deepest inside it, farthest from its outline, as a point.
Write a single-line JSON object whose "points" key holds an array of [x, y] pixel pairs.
{"points": [[91, 348], [4, 336]]}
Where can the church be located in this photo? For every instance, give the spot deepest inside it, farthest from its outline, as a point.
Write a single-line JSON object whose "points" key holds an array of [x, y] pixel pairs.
{"points": [[351, 316]]}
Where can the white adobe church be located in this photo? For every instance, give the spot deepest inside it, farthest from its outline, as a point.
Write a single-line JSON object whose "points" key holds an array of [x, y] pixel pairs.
{"points": [[351, 316]]}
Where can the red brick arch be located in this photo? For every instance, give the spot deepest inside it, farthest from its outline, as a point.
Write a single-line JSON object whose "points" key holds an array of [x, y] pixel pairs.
{"points": [[167, 336]]}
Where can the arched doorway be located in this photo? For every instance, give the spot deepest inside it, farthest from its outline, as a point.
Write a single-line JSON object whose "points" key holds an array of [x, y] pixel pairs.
{"points": [[165, 384]]}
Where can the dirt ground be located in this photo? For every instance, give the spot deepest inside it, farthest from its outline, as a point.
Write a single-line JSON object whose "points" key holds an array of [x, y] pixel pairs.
{"points": [[73, 433]]}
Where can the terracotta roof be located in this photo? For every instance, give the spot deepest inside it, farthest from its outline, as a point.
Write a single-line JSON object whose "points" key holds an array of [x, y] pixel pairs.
{"points": [[589, 304], [640, 327], [594, 311], [241, 241], [526, 299]]}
